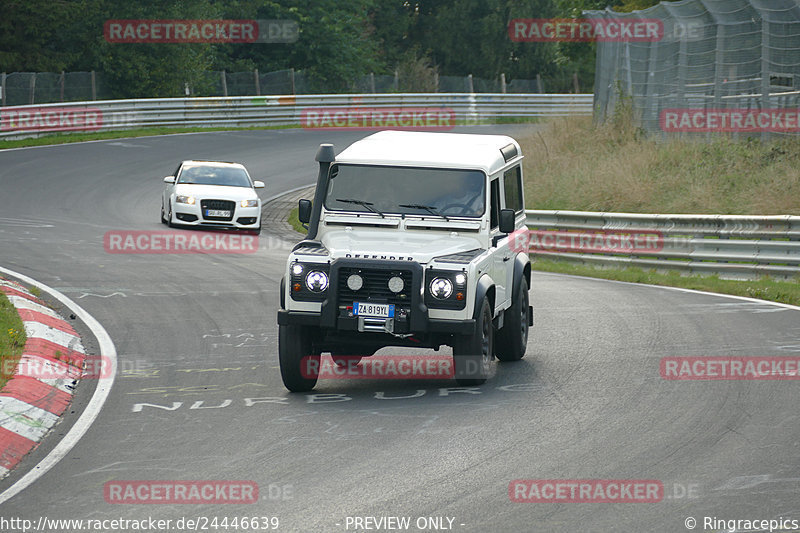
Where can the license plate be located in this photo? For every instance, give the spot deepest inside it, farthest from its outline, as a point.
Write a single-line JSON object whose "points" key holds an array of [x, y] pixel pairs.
{"points": [[217, 213], [375, 310]]}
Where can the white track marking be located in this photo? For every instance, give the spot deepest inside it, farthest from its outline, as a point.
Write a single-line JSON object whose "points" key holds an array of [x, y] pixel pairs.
{"points": [[679, 289]]}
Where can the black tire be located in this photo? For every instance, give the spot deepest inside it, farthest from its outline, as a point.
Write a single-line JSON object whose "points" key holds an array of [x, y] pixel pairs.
{"points": [[512, 339], [472, 354], [169, 217], [163, 220], [296, 359]]}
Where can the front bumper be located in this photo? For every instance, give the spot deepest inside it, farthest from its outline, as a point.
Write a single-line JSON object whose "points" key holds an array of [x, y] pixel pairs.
{"points": [[242, 217], [411, 317], [425, 326]]}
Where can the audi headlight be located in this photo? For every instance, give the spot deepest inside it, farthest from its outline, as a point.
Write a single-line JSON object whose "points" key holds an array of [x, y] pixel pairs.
{"points": [[441, 288], [183, 199], [317, 281], [249, 203]]}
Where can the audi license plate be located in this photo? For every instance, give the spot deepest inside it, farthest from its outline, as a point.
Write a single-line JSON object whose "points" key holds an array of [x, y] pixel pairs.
{"points": [[373, 310], [217, 213]]}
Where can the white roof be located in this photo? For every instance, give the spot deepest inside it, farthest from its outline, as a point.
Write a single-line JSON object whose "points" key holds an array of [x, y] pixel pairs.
{"points": [[429, 149], [198, 162]]}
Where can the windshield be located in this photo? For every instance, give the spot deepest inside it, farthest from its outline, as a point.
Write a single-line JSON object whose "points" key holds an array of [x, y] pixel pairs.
{"points": [[406, 190], [212, 175]]}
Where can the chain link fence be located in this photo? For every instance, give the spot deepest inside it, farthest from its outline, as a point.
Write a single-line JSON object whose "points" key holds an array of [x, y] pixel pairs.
{"points": [[728, 66], [21, 88], [24, 88]]}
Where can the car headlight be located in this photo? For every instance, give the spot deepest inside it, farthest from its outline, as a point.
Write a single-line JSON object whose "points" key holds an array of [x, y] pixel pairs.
{"points": [[309, 282], [182, 199], [249, 203], [441, 288], [317, 281], [446, 289]]}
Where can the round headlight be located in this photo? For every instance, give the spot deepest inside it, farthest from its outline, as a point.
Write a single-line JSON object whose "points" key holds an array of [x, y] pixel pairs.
{"points": [[441, 288], [461, 278], [396, 284], [355, 282], [317, 281], [297, 269]]}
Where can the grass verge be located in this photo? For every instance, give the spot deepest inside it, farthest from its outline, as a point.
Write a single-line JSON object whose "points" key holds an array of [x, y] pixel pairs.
{"points": [[12, 339], [294, 221], [572, 164], [787, 292]]}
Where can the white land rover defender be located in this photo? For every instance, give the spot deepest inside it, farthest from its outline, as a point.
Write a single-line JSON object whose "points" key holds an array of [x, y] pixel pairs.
{"points": [[408, 245]]}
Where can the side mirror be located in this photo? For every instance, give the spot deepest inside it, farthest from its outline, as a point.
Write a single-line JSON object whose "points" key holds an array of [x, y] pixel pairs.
{"points": [[258, 184], [169, 179], [304, 211], [507, 222]]}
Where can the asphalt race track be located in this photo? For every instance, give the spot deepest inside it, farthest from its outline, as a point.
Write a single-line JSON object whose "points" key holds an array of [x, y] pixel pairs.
{"points": [[198, 395]]}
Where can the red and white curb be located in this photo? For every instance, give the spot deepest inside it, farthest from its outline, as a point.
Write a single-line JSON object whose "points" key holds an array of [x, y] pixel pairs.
{"points": [[30, 404]]}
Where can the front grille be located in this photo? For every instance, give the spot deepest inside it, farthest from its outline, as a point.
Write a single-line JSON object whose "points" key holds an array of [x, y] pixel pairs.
{"points": [[375, 288], [219, 205]]}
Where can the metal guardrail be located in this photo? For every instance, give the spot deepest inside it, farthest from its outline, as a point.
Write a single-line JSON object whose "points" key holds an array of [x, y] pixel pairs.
{"points": [[246, 111], [731, 246]]}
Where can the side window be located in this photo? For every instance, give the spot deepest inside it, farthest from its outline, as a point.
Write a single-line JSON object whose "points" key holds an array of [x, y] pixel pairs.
{"points": [[494, 198], [512, 183]]}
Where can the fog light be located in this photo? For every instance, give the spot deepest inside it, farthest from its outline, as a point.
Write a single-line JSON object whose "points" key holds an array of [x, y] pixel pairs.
{"points": [[355, 282], [396, 284]]}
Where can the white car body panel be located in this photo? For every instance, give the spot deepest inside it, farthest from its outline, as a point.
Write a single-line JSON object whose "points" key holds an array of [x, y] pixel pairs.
{"points": [[173, 210]]}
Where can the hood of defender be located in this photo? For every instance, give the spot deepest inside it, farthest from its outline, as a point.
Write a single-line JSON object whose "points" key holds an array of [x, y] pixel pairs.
{"points": [[390, 244]]}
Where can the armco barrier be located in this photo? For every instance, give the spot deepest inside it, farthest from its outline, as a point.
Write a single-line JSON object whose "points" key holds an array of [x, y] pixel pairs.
{"points": [[244, 111], [732, 246]]}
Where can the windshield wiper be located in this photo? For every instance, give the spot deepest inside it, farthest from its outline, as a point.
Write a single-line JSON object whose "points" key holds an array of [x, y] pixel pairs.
{"points": [[429, 208], [362, 203]]}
